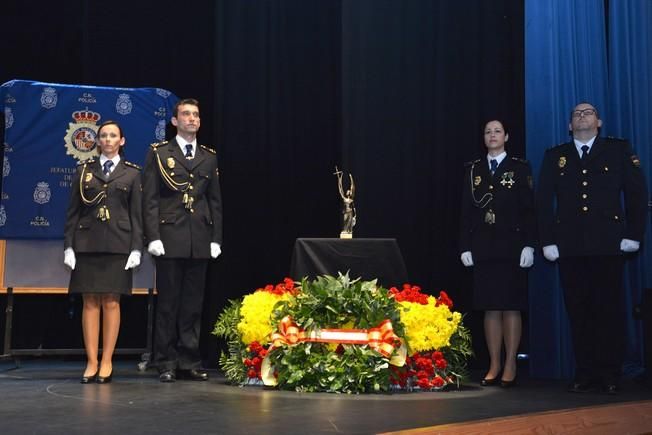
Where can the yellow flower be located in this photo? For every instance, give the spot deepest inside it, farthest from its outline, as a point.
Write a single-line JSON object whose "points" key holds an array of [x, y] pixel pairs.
{"points": [[428, 327], [255, 314]]}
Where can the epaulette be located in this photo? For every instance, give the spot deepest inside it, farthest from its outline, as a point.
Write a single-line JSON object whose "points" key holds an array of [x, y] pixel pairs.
{"points": [[133, 165], [159, 144], [472, 162], [86, 162], [210, 150], [518, 159]]}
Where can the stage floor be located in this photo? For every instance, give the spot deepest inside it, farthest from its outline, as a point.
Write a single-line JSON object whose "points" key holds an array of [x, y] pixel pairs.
{"points": [[45, 396]]}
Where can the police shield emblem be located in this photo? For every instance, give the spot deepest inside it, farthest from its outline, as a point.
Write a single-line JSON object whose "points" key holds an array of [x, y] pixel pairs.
{"points": [[42, 193], [562, 162], [123, 105], [9, 118], [170, 162], [88, 177], [80, 136], [49, 98]]}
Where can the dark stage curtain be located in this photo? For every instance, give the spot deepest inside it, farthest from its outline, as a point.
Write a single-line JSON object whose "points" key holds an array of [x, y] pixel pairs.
{"points": [[395, 92], [594, 51]]}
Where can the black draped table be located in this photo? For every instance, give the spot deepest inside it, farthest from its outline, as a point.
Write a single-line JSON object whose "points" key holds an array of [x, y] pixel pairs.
{"points": [[366, 258]]}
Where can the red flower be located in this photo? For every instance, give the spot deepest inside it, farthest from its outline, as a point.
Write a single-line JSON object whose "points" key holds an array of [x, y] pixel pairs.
{"points": [[441, 364], [252, 373], [423, 383], [257, 361], [437, 382], [422, 374], [444, 299], [437, 355], [247, 362]]}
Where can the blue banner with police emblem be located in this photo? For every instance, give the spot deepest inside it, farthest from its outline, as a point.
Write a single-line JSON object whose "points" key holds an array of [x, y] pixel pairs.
{"points": [[49, 128]]}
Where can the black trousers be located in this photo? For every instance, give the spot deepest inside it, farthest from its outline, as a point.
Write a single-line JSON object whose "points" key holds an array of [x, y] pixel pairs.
{"points": [[593, 293], [180, 285]]}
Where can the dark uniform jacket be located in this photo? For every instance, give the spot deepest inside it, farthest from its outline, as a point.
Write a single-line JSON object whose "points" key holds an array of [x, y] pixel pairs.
{"points": [[105, 216], [498, 217], [182, 203], [580, 206]]}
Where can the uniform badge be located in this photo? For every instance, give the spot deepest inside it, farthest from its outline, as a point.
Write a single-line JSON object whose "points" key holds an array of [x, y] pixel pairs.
{"points": [[88, 177], [562, 162], [477, 180], [490, 217], [170, 162], [507, 179], [635, 161]]}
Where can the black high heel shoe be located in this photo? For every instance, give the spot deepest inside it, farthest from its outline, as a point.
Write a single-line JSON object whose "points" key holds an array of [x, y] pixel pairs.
{"points": [[508, 384], [491, 382], [90, 379], [104, 379]]}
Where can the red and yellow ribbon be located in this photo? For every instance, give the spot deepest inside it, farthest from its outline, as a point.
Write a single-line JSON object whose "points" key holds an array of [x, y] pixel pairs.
{"points": [[381, 338]]}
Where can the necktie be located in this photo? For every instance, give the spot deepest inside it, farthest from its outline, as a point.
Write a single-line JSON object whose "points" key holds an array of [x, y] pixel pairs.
{"points": [[585, 152], [493, 165], [107, 168], [188, 151]]}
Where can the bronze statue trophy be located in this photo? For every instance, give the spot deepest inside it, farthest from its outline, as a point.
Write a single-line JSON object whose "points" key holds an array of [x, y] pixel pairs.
{"points": [[348, 208]]}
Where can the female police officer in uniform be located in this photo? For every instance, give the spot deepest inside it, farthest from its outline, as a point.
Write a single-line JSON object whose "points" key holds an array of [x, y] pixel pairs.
{"points": [[103, 243], [497, 237]]}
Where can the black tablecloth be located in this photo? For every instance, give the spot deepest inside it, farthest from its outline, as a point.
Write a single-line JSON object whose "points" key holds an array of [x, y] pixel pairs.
{"points": [[366, 258]]}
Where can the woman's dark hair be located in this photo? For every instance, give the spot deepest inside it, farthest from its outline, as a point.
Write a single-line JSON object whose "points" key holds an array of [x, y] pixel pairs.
{"points": [[503, 123], [104, 124]]}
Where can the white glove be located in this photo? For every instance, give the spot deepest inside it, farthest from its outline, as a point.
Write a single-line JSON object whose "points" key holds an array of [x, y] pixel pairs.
{"points": [[527, 257], [628, 245], [551, 252], [467, 258], [215, 250], [69, 258], [133, 261], [155, 248]]}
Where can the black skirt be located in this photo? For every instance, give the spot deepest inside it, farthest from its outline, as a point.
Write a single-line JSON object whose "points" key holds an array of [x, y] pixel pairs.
{"points": [[101, 273], [500, 285]]}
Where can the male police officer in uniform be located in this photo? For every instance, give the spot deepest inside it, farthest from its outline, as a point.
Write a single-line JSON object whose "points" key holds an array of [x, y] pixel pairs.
{"points": [[588, 231], [182, 213]]}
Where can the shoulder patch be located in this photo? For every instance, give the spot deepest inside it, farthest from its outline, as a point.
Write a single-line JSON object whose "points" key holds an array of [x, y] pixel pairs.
{"points": [[635, 161], [132, 165], [518, 159], [159, 144], [210, 150], [472, 162], [86, 162]]}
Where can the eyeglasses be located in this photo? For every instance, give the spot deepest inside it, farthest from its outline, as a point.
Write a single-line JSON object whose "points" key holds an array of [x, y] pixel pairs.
{"points": [[581, 113]]}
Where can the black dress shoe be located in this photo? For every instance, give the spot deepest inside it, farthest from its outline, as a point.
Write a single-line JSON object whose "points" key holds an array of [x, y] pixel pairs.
{"points": [[89, 379], [193, 375], [490, 382], [167, 376], [611, 389], [581, 387], [105, 379]]}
